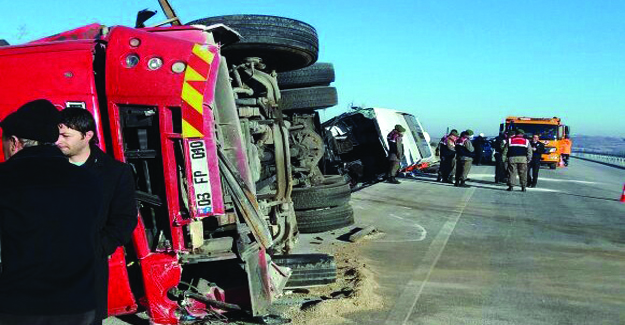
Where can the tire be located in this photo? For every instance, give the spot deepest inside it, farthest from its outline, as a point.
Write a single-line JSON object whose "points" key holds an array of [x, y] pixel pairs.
{"points": [[308, 269], [308, 99], [552, 166], [320, 220], [318, 74], [334, 192], [284, 44]]}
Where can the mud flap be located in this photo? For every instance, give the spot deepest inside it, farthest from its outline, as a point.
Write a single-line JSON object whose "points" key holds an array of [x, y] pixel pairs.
{"points": [[257, 279], [265, 279], [279, 276]]}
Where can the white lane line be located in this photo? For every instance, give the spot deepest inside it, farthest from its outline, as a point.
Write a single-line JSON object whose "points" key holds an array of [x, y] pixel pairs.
{"points": [[407, 301]]}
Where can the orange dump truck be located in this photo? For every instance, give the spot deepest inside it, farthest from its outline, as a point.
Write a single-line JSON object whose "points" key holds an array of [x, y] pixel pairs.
{"points": [[554, 134]]}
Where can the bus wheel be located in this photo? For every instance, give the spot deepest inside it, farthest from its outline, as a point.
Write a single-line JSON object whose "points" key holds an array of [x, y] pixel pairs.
{"points": [[283, 44]]}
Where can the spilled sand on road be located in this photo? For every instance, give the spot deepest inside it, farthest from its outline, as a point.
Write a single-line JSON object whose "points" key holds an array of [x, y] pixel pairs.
{"points": [[355, 290]]}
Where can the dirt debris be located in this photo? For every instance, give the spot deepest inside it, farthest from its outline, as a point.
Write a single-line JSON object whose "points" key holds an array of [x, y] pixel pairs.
{"points": [[355, 290]]}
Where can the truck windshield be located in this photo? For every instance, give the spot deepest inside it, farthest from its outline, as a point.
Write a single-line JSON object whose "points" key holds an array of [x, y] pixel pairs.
{"points": [[544, 131]]}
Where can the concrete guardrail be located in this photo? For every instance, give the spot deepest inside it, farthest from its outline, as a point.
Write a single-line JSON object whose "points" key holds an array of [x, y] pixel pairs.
{"points": [[606, 159]]}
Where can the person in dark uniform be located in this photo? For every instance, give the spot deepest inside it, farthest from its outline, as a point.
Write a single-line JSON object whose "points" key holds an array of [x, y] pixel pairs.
{"points": [[395, 151], [478, 146], [49, 247], [538, 148], [464, 158], [447, 149], [78, 141], [500, 168], [518, 153]]}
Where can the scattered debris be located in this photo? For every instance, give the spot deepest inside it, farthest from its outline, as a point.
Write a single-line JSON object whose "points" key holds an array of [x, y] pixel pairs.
{"points": [[362, 233], [354, 290]]}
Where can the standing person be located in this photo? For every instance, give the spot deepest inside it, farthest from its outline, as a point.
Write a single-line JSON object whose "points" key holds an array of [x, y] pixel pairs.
{"points": [[464, 158], [478, 145], [448, 156], [565, 149], [395, 151], [49, 247], [500, 168], [518, 153], [78, 141], [538, 148]]}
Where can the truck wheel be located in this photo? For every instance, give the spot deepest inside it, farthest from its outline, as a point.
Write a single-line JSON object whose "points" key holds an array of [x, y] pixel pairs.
{"points": [[320, 220], [308, 99], [318, 74], [553, 166], [333, 192], [308, 269], [284, 44]]}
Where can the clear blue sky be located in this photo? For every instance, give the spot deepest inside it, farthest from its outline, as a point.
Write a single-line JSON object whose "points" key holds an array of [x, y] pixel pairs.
{"points": [[464, 64]]}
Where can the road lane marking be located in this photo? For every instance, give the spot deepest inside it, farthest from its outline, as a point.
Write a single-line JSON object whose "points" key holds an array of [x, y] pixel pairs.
{"points": [[407, 301]]}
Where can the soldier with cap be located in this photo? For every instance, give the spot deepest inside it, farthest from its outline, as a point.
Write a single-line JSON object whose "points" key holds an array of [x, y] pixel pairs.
{"points": [[49, 249], [447, 150], [464, 158], [395, 151], [518, 152]]}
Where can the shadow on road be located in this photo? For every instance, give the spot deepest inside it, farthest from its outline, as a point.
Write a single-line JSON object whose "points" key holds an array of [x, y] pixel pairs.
{"points": [[432, 180]]}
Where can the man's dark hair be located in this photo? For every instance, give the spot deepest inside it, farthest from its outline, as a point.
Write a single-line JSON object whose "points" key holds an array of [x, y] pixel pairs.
{"points": [[80, 120]]}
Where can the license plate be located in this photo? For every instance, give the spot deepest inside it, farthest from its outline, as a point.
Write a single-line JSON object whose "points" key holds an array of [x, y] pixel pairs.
{"points": [[200, 181]]}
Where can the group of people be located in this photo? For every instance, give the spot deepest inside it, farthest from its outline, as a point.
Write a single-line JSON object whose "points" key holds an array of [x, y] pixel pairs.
{"points": [[456, 154], [514, 155], [65, 206]]}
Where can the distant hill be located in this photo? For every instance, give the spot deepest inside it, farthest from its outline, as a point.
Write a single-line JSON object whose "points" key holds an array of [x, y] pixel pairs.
{"points": [[612, 145]]}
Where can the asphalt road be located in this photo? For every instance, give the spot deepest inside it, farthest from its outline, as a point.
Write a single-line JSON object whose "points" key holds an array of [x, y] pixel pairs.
{"points": [[482, 255]]}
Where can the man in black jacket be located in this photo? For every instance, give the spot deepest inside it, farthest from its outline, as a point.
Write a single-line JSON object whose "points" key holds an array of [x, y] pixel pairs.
{"points": [[538, 148], [78, 141], [49, 248], [478, 146], [500, 166]]}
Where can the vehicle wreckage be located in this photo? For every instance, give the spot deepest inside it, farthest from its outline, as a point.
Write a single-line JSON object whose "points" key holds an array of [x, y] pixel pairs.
{"points": [[356, 144], [221, 133]]}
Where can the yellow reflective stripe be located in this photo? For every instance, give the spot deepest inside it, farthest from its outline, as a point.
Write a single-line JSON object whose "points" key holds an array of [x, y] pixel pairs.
{"points": [[203, 53], [193, 97], [192, 75], [188, 131]]}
